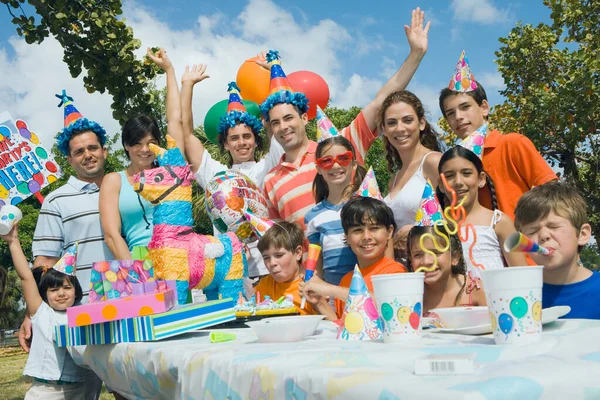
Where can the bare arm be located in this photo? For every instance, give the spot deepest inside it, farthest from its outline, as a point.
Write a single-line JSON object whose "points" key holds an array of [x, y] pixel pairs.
{"points": [[417, 39], [30, 288], [193, 146], [430, 169], [110, 218], [503, 228]]}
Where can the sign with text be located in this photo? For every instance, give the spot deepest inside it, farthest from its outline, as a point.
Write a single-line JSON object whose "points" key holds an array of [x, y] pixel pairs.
{"points": [[25, 166]]}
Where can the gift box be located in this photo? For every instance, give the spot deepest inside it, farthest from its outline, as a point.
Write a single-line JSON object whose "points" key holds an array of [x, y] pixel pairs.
{"points": [[113, 279], [127, 307], [179, 320], [153, 287]]}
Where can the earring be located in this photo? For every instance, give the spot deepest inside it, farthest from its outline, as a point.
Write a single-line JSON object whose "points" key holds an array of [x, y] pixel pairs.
{"points": [[481, 185]]}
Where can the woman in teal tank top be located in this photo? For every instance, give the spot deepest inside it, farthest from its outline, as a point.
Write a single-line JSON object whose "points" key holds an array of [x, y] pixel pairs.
{"points": [[125, 216]]}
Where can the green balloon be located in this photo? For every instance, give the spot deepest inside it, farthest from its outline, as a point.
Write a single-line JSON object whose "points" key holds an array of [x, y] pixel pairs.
{"points": [[213, 116], [518, 307]]}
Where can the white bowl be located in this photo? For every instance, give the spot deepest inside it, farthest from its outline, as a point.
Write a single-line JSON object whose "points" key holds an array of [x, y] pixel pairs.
{"points": [[285, 329], [462, 317]]}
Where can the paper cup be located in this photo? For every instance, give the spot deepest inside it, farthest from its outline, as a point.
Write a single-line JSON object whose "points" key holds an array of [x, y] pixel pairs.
{"points": [[400, 300], [514, 297]]}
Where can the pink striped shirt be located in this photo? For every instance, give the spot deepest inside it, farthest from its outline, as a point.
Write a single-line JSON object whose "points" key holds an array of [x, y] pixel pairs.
{"points": [[288, 187]]}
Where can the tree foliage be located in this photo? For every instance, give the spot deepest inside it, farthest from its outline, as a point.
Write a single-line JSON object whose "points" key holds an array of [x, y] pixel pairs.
{"points": [[552, 77], [11, 310], [94, 39]]}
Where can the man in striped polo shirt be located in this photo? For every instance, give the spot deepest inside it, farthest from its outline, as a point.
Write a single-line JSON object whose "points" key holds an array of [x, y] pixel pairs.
{"points": [[288, 186]]}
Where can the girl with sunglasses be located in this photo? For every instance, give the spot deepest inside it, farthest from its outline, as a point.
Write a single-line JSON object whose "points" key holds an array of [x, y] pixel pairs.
{"points": [[338, 176]]}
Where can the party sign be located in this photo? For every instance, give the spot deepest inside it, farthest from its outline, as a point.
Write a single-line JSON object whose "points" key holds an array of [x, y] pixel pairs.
{"points": [[25, 166]]}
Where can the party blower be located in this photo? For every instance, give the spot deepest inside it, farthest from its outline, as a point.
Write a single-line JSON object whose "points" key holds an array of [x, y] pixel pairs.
{"points": [[314, 250], [516, 241]]}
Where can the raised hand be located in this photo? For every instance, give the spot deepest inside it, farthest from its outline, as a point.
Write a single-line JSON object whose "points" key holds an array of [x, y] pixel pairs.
{"points": [[160, 58], [11, 236], [415, 33], [261, 59], [197, 73]]}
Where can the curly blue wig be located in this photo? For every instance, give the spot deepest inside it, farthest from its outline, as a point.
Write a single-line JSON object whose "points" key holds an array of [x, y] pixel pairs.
{"points": [[80, 126], [296, 99]]}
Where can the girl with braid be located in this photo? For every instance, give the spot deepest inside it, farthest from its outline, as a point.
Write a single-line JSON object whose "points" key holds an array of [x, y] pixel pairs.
{"points": [[412, 154], [464, 173]]}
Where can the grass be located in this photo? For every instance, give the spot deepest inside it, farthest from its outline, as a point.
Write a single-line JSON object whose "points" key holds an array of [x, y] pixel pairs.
{"points": [[13, 385]]}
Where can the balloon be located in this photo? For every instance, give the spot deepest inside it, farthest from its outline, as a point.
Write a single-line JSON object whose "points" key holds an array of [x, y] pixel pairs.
{"points": [[213, 116], [493, 321], [228, 195], [536, 310], [418, 308], [354, 322], [505, 321], [414, 320], [313, 86], [403, 314], [387, 311], [518, 307], [253, 81]]}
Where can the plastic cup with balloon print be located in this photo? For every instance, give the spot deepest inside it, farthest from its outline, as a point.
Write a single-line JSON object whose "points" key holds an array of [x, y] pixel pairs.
{"points": [[514, 297], [400, 300]]}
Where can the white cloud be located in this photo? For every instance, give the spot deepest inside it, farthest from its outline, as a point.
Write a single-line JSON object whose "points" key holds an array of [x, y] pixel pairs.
{"points": [[491, 80], [481, 11], [359, 91]]}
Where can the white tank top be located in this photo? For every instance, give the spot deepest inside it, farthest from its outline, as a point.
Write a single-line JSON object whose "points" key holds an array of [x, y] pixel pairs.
{"points": [[406, 202], [487, 250]]}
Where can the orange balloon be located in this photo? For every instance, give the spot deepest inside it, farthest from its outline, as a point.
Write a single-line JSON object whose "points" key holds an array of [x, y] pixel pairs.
{"points": [[253, 81]]}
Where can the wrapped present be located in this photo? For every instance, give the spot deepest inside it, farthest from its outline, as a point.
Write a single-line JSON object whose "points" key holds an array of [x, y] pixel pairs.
{"points": [[125, 307], [179, 320], [113, 279], [153, 287]]}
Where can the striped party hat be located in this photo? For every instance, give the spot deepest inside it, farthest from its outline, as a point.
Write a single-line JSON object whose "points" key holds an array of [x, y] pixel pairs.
{"points": [[235, 100], [71, 113], [279, 80]]}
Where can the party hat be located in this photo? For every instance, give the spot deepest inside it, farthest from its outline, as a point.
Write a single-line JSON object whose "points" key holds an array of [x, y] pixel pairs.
{"points": [[68, 262], [360, 319], [516, 241], [325, 128], [369, 186], [279, 80], [475, 141], [430, 210], [75, 122], [259, 225], [235, 100], [462, 79]]}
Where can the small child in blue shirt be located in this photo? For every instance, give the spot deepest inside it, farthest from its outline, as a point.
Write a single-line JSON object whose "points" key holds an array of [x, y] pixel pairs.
{"points": [[555, 215]]}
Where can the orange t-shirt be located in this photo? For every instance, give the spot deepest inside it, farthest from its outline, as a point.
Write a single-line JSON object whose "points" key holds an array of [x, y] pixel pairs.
{"points": [[515, 166], [269, 287], [383, 266]]}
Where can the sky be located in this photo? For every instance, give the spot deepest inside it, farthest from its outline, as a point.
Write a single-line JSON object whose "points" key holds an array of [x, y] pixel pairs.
{"points": [[354, 45]]}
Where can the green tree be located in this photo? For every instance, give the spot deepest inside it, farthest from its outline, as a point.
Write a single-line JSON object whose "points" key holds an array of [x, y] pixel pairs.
{"points": [[552, 77], [590, 256], [11, 309], [94, 39]]}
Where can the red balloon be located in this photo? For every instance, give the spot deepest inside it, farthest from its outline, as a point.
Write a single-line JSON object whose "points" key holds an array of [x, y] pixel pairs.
{"points": [[414, 320], [313, 86]]}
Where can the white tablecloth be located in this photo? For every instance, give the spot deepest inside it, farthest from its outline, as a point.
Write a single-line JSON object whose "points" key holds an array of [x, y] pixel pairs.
{"points": [[565, 364]]}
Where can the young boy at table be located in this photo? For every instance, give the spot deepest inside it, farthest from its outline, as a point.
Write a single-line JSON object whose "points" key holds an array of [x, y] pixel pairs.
{"points": [[282, 251], [368, 226], [555, 216], [511, 160]]}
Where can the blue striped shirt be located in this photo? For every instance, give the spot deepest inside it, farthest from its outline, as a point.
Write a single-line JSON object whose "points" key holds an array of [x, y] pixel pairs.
{"points": [[324, 227]]}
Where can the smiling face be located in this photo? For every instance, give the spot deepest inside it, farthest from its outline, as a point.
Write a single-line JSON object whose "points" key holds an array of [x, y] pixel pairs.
{"points": [[338, 175], [464, 115], [369, 241], [558, 234], [140, 153], [463, 177], [62, 297], [87, 156], [402, 127], [289, 128], [282, 264], [240, 144]]}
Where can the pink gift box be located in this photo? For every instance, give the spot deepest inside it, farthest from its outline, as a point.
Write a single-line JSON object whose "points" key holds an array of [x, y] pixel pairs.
{"points": [[111, 280], [152, 287], [128, 307]]}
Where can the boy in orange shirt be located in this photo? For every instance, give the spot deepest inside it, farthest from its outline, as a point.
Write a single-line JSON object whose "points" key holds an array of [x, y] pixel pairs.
{"points": [[368, 225], [281, 249], [511, 160]]}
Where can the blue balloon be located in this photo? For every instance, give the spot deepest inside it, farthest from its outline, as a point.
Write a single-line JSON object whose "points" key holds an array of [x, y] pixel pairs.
{"points": [[505, 321], [417, 308]]}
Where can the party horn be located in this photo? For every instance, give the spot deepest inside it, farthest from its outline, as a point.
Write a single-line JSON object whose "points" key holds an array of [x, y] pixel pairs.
{"points": [[314, 250], [516, 241], [220, 337]]}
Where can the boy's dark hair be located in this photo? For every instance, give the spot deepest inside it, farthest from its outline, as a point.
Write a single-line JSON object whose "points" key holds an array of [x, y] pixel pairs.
{"points": [[362, 210], [136, 129], [462, 152], [478, 95], [414, 235], [286, 235], [53, 279], [320, 188], [428, 137], [558, 197]]}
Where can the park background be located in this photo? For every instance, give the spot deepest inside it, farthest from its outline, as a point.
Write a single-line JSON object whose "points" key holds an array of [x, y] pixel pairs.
{"points": [[539, 61]]}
